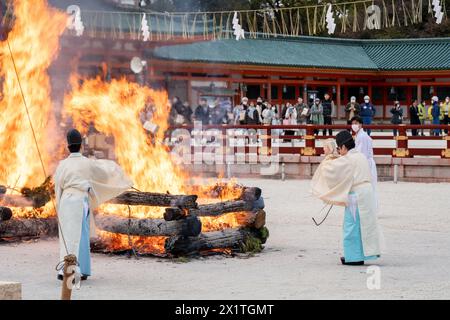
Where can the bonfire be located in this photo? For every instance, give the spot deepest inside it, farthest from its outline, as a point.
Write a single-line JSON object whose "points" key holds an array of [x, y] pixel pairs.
{"points": [[163, 215]]}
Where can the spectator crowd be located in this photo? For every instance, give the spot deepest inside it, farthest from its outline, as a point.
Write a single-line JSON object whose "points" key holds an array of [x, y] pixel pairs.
{"points": [[318, 112]]}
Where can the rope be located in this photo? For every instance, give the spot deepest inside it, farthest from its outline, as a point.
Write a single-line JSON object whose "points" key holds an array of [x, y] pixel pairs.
{"points": [[326, 216], [34, 136]]}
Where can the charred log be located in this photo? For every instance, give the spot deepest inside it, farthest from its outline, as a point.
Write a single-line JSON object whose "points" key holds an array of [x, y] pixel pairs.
{"points": [[5, 213], [15, 200], [213, 209], [251, 194], [156, 199], [239, 239], [17, 228], [190, 226]]}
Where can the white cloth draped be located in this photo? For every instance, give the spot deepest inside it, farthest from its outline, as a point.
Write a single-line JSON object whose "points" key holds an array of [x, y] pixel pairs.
{"points": [[78, 178], [336, 178], [364, 145]]}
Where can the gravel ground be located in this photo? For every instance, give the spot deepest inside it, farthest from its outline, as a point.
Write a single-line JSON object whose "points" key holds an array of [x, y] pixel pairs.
{"points": [[300, 261]]}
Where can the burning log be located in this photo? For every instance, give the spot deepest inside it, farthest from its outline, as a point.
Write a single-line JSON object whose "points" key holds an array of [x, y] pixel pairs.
{"points": [[5, 213], [244, 239], [213, 209], [191, 226], [254, 219], [156, 199], [16, 228]]}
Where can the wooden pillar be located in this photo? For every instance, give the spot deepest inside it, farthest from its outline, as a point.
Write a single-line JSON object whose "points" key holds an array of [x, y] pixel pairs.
{"points": [[369, 90], [338, 101], [269, 92], [305, 93], [419, 92]]}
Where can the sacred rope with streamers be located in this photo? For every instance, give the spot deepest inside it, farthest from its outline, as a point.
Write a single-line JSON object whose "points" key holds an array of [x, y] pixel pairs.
{"points": [[310, 20]]}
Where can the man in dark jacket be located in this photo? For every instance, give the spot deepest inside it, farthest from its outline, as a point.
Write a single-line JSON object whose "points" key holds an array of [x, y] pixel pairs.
{"points": [[327, 105], [252, 115], [202, 112], [367, 113], [397, 115], [414, 116], [435, 114]]}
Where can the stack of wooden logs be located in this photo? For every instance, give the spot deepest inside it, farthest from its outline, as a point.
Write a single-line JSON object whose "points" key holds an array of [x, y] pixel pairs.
{"points": [[181, 223]]}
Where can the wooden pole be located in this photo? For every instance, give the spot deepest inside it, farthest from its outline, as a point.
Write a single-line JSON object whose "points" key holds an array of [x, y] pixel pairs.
{"points": [[70, 262]]}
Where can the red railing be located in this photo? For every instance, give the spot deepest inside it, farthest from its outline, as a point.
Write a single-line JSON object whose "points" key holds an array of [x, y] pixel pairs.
{"points": [[265, 134]]}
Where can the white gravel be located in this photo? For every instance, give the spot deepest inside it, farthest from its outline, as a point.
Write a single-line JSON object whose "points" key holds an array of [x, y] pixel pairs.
{"points": [[300, 261]]}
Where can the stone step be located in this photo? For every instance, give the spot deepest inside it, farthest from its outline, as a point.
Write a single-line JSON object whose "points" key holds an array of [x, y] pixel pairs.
{"points": [[10, 290]]}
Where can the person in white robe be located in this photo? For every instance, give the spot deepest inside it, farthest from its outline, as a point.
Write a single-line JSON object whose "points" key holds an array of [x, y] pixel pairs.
{"points": [[346, 181], [364, 145], [81, 184]]}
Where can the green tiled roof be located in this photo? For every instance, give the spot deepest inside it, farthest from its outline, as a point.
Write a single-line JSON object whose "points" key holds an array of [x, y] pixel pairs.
{"points": [[316, 52]]}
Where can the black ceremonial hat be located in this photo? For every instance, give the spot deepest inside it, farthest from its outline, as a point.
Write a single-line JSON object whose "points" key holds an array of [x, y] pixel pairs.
{"points": [[74, 137], [343, 137]]}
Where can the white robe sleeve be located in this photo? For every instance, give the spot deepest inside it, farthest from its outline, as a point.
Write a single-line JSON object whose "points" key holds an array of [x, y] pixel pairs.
{"points": [[108, 181]]}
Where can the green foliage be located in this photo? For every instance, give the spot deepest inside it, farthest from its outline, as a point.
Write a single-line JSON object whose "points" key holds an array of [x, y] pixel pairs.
{"points": [[251, 244]]}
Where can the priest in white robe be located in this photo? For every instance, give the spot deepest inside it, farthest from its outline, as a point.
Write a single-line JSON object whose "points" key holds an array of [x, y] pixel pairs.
{"points": [[346, 181], [81, 184], [364, 145]]}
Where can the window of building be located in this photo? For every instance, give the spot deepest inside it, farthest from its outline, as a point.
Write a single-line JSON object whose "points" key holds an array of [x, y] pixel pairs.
{"points": [[377, 94], [443, 92], [253, 91], [274, 93], [288, 92], [358, 92], [397, 93]]}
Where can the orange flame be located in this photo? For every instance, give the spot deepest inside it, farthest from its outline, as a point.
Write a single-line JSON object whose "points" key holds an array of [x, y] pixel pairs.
{"points": [[34, 42], [113, 107]]}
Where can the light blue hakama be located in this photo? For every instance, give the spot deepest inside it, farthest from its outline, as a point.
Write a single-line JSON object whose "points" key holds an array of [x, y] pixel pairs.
{"points": [[352, 241], [84, 253]]}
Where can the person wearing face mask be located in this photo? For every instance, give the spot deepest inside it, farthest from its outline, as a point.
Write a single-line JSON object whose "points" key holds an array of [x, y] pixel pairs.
{"points": [[346, 181], [445, 108], [252, 115], [239, 111], [414, 116], [435, 113], [421, 110], [328, 106], [367, 112], [317, 114], [364, 144], [260, 107], [397, 115], [352, 109]]}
